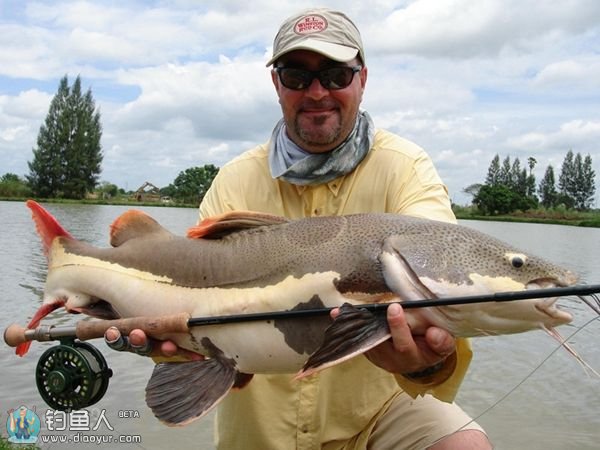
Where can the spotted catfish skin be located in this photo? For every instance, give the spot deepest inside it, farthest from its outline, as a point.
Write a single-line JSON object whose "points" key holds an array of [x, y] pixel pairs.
{"points": [[245, 262]]}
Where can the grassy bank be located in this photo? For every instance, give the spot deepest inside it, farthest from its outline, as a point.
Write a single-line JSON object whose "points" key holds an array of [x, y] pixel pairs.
{"points": [[552, 216], [5, 445], [121, 201], [558, 216]]}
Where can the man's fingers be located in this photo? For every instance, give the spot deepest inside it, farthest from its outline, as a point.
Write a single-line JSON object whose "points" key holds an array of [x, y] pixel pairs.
{"points": [[440, 341], [402, 338], [136, 342], [334, 313], [115, 340], [140, 343], [168, 348]]}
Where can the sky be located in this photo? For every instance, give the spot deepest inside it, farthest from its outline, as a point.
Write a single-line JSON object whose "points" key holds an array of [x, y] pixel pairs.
{"points": [[183, 83]]}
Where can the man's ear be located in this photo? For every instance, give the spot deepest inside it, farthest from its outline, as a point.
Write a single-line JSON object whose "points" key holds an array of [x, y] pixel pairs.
{"points": [[275, 80], [363, 77]]}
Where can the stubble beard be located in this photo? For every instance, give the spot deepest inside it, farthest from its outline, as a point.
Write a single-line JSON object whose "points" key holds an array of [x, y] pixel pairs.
{"points": [[319, 134]]}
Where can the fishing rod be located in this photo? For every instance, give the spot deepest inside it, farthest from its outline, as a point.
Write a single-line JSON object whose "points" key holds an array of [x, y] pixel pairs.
{"points": [[424, 303], [75, 375], [180, 323]]}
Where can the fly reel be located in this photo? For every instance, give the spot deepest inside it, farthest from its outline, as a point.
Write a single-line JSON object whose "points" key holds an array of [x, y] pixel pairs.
{"points": [[72, 375]]}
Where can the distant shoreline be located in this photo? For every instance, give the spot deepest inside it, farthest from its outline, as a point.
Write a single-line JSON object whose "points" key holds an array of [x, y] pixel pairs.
{"points": [[566, 217], [112, 202], [572, 218]]}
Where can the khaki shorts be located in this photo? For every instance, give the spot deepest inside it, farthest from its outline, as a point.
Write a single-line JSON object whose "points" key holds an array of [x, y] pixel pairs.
{"points": [[409, 424]]}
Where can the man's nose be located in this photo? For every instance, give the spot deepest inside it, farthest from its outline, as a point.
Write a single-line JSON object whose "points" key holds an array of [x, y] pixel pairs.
{"points": [[315, 90]]}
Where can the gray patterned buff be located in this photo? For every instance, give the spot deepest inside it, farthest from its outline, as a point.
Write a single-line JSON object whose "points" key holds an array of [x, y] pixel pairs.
{"points": [[294, 165]]}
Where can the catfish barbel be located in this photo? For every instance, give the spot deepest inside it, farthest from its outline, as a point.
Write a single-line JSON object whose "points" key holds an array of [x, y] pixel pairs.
{"points": [[244, 262]]}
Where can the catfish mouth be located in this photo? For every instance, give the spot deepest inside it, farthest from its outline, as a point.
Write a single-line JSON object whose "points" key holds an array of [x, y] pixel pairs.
{"points": [[548, 305], [100, 309], [544, 283]]}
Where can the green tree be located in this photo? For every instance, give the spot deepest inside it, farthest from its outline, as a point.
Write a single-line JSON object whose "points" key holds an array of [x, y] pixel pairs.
{"points": [[518, 178], [107, 190], [499, 199], [508, 188], [191, 185], [577, 181], [530, 183], [473, 189], [531, 162], [12, 185], [493, 175], [547, 189], [584, 182], [566, 179], [68, 157], [505, 177]]}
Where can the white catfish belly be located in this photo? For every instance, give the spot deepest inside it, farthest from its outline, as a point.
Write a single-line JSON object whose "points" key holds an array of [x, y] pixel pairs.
{"points": [[257, 347], [276, 346]]}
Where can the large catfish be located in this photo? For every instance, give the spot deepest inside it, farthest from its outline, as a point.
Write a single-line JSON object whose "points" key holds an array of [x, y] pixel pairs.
{"points": [[251, 263]]}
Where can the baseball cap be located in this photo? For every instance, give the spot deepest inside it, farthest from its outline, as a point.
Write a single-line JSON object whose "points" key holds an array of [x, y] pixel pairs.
{"points": [[322, 30]]}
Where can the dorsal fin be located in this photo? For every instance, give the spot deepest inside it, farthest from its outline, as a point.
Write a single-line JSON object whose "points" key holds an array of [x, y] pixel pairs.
{"points": [[46, 225], [230, 222], [132, 224]]}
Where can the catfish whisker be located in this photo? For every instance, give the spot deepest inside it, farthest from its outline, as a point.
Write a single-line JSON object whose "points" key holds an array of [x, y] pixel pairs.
{"points": [[595, 307], [563, 342]]}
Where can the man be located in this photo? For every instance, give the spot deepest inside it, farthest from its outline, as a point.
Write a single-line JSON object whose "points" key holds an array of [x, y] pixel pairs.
{"points": [[325, 157]]}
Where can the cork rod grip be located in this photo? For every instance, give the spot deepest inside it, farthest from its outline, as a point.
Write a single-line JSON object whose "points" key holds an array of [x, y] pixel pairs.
{"points": [[84, 330], [153, 326]]}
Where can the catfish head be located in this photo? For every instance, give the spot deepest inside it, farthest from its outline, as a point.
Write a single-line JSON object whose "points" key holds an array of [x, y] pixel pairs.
{"points": [[444, 260]]}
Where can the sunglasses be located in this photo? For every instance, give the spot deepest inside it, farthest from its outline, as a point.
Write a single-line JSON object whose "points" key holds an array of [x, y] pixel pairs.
{"points": [[332, 78]]}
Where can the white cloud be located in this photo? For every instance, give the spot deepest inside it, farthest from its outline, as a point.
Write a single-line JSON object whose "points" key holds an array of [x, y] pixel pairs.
{"points": [[182, 83], [579, 135], [584, 73], [485, 28]]}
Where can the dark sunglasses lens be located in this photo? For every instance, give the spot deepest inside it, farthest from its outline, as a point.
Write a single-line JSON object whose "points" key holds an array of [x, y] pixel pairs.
{"points": [[296, 79], [336, 77]]}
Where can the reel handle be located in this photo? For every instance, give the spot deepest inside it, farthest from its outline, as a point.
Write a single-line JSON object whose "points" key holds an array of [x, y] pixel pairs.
{"points": [[154, 326]]}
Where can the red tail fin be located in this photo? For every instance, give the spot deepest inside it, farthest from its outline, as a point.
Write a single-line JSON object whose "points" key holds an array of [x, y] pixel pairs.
{"points": [[46, 225], [44, 310]]}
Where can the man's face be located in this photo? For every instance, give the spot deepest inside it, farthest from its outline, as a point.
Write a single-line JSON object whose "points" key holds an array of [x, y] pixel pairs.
{"points": [[318, 119]]}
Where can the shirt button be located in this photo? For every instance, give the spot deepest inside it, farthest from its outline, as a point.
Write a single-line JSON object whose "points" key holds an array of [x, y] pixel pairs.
{"points": [[317, 212]]}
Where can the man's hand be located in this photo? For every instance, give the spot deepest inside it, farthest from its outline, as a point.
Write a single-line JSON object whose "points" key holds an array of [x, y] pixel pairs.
{"points": [[405, 353], [138, 342]]}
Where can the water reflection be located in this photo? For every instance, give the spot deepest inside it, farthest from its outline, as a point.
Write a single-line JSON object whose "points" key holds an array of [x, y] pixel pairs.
{"points": [[555, 406]]}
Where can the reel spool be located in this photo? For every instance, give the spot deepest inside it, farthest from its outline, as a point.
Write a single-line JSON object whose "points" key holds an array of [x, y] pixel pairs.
{"points": [[72, 375]]}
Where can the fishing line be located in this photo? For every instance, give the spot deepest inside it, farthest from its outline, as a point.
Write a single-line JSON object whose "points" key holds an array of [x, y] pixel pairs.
{"points": [[529, 375]]}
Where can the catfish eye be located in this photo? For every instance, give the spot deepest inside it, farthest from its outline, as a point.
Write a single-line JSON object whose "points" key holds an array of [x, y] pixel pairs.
{"points": [[517, 261]]}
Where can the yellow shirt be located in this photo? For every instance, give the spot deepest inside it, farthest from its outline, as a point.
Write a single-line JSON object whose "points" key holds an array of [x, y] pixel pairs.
{"points": [[273, 411]]}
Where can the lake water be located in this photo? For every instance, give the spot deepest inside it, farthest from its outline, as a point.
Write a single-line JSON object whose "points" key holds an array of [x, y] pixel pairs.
{"points": [[524, 391]]}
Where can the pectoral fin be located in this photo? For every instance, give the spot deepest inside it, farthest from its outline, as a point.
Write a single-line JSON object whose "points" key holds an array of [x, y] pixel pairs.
{"points": [[179, 393], [354, 331]]}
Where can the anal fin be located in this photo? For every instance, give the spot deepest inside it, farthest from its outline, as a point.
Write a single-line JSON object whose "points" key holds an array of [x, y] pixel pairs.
{"points": [[354, 331], [179, 393]]}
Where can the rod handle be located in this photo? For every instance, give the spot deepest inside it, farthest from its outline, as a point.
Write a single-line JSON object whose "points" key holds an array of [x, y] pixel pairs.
{"points": [[152, 326], [90, 329]]}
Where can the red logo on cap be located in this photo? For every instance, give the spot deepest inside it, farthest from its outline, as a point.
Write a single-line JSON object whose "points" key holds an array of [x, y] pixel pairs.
{"points": [[310, 24]]}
